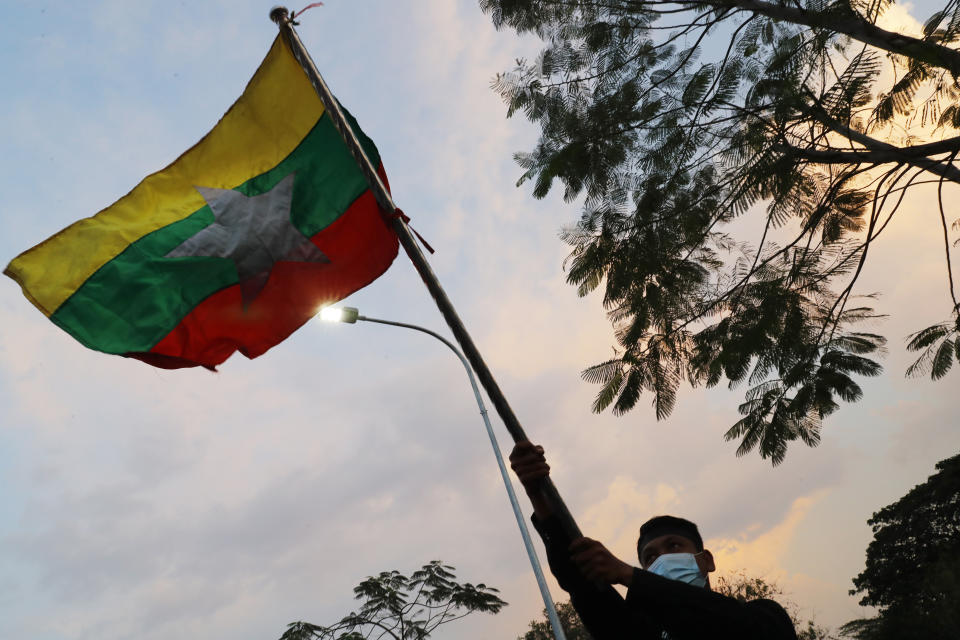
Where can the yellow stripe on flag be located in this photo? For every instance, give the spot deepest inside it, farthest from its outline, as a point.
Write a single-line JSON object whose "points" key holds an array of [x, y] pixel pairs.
{"points": [[277, 109]]}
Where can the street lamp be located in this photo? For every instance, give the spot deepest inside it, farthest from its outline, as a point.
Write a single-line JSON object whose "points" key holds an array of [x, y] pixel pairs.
{"points": [[350, 315]]}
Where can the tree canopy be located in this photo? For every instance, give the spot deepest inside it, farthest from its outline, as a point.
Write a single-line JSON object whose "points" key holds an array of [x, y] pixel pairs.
{"points": [[913, 563], [404, 607], [673, 121]]}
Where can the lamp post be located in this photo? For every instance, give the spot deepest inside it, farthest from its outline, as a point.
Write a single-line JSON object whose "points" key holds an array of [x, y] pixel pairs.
{"points": [[350, 315]]}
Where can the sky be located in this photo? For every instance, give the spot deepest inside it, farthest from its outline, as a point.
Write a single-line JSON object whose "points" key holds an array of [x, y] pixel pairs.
{"points": [[137, 502]]}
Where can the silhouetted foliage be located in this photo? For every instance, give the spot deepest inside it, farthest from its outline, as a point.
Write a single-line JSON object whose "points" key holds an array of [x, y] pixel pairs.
{"points": [[674, 120], [573, 627], [404, 608], [913, 563]]}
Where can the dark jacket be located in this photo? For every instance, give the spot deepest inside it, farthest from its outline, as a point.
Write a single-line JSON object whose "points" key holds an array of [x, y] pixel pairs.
{"points": [[655, 604]]}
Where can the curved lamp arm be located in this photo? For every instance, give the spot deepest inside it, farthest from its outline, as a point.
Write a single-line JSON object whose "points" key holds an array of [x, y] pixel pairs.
{"points": [[350, 315]]}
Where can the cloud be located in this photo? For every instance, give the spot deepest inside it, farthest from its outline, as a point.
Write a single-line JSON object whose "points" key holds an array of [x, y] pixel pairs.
{"points": [[771, 554], [900, 19], [762, 551], [614, 518]]}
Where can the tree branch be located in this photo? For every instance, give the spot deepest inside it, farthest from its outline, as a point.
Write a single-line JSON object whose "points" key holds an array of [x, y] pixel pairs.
{"points": [[950, 145], [853, 25], [871, 156]]}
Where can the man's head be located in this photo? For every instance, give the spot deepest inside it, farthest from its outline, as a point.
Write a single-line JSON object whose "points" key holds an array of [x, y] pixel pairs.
{"points": [[667, 534]]}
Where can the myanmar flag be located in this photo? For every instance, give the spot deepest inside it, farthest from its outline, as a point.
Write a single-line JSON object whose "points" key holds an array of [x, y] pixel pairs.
{"points": [[232, 247]]}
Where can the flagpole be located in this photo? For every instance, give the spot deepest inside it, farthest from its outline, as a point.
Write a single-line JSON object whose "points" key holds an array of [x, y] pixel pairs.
{"points": [[281, 16]]}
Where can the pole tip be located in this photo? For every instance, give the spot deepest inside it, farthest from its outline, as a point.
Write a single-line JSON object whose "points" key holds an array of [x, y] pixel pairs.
{"points": [[279, 14]]}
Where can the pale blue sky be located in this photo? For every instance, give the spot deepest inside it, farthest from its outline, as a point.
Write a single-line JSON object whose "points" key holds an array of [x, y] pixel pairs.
{"points": [[154, 504]]}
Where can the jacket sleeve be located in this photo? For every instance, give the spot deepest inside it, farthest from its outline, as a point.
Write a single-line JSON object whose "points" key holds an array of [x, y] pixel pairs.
{"points": [[688, 612], [601, 608]]}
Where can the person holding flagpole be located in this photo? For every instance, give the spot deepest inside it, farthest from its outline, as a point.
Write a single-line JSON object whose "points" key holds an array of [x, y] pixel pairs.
{"points": [[668, 596]]}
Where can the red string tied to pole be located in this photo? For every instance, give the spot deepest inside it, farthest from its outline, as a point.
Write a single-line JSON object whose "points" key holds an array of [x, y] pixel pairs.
{"points": [[309, 6], [406, 219]]}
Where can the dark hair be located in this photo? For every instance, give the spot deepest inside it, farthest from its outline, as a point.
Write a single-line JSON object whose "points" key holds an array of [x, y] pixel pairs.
{"points": [[666, 525]]}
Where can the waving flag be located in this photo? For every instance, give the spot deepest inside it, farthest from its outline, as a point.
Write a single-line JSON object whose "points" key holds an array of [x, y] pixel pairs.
{"points": [[230, 248]]}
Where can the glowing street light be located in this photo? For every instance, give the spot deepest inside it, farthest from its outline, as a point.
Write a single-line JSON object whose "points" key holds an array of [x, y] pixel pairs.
{"points": [[348, 315]]}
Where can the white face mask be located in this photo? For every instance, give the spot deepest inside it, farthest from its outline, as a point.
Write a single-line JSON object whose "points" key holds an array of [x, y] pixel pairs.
{"points": [[679, 566]]}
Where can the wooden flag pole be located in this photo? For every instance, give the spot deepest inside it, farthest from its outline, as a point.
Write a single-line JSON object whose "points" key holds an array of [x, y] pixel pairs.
{"points": [[281, 16]]}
